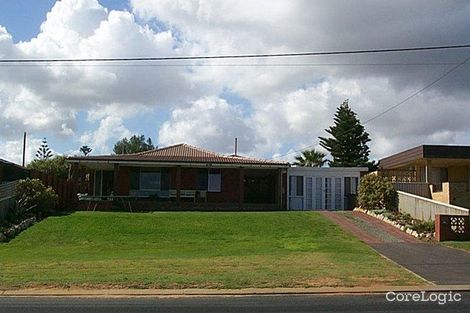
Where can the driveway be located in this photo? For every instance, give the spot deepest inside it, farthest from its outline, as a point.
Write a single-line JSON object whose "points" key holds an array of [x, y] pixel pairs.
{"points": [[435, 263]]}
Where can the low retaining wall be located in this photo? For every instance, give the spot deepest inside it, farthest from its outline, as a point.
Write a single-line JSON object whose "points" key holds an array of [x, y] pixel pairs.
{"points": [[426, 209]]}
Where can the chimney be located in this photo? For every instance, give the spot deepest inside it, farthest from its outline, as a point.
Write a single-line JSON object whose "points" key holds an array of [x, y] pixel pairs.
{"points": [[236, 146]]}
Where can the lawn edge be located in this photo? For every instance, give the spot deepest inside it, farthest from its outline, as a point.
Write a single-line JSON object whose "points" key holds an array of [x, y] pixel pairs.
{"points": [[226, 292]]}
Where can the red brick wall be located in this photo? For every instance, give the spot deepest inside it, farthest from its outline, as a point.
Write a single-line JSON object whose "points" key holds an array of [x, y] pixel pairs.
{"points": [[229, 189], [123, 183]]}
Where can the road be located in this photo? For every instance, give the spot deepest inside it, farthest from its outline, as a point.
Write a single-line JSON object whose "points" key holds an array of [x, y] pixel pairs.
{"points": [[241, 304]]}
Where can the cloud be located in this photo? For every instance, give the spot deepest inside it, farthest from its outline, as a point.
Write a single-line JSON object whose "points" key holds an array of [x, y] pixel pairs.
{"points": [[284, 107], [209, 122], [110, 128]]}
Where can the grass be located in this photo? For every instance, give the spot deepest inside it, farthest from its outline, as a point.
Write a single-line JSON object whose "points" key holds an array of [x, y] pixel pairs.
{"points": [[191, 249], [465, 245]]}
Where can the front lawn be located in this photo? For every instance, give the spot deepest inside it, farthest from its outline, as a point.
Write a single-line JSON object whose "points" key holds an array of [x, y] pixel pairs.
{"points": [[191, 249], [465, 245]]}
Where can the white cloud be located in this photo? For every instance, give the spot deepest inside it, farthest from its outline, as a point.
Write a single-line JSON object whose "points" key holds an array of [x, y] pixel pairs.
{"points": [[12, 150], [110, 128], [284, 107], [209, 122]]}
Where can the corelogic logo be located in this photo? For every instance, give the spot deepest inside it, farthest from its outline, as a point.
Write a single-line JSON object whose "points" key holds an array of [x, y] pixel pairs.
{"points": [[422, 296]]}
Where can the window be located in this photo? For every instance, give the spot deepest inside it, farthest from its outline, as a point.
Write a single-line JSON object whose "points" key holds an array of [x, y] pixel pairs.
{"points": [[150, 180], [468, 178], [296, 186], [214, 181], [202, 181]]}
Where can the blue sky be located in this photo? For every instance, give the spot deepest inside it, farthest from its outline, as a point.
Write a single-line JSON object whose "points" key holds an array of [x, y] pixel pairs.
{"points": [[274, 109]]}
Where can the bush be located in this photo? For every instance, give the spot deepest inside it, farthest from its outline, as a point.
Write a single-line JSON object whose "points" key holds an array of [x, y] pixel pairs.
{"points": [[376, 193], [33, 193], [56, 166], [20, 210], [424, 226]]}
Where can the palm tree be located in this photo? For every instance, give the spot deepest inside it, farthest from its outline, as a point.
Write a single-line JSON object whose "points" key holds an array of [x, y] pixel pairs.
{"points": [[311, 158]]}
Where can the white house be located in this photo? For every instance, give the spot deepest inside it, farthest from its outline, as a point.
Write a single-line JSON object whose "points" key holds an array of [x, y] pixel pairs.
{"points": [[322, 188]]}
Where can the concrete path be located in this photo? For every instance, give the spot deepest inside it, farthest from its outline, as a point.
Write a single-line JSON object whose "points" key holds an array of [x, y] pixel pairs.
{"points": [[435, 263]]}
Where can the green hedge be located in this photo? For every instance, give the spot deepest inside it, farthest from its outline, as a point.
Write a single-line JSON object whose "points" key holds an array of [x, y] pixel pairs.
{"points": [[376, 193]]}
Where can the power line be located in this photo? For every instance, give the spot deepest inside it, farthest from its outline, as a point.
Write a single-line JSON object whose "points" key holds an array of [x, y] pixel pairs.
{"points": [[228, 64], [237, 56], [414, 94]]}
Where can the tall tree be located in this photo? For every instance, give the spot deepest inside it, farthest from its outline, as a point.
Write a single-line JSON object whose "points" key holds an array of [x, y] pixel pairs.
{"points": [[133, 145], [348, 144], [85, 150], [312, 158], [44, 153]]}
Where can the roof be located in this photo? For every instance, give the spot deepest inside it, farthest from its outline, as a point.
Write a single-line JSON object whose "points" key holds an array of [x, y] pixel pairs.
{"points": [[8, 163], [180, 153], [425, 152]]}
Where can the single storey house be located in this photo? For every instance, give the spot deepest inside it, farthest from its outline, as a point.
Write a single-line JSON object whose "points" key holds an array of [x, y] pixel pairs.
{"points": [[10, 171], [183, 176], [323, 188], [438, 172]]}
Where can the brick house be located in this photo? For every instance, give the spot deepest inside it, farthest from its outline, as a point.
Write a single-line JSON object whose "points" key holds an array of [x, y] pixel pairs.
{"points": [[438, 172], [184, 176]]}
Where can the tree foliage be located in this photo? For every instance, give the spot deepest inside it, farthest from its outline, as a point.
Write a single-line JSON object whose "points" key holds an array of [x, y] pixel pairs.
{"points": [[348, 142], [133, 145], [312, 158], [56, 166], [44, 152], [377, 193], [85, 150]]}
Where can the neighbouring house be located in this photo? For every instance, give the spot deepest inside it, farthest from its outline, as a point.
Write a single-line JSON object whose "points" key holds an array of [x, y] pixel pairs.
{"points": [[10, 171], [183, 176], [323, 188], [437, 172], [9, 174]]}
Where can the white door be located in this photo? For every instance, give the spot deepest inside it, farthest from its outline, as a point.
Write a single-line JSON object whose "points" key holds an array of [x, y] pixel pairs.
{"points": [[327, 193]]}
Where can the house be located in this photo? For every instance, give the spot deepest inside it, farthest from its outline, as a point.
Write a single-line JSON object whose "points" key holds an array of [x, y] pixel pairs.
{"points": [[437, 172], [10, 171], [184, 176], [323, 188]]}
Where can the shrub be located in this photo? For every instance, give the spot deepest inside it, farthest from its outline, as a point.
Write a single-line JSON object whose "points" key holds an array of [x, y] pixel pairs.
{"points": [[376, 193], [20, 210], [33, 193], [424, 226], [56, 166]]}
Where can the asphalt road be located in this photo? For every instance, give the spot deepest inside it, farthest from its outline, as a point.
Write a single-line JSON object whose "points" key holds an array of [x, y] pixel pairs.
{"points": [[245, 304]]}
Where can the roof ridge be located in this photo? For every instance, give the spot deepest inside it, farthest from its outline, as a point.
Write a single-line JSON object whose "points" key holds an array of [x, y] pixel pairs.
{"points": [[157, 149], [202, 149]]}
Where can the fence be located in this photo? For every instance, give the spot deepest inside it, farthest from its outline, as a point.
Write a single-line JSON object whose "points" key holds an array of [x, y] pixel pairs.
{"points": [[7, 198], [415, 188], [426, 209], [65, 189]]}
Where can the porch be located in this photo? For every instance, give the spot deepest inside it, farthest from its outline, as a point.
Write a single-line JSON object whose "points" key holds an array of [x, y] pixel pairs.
{"points": [[144, 188]]}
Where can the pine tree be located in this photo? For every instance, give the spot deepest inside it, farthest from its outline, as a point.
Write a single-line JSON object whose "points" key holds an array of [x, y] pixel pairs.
{"points": [[85, 150], [348, 144], [44, 153]]}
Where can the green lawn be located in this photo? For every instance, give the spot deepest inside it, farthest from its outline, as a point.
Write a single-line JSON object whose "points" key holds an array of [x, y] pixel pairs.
{"points": [[191, 249], [465, 245]]}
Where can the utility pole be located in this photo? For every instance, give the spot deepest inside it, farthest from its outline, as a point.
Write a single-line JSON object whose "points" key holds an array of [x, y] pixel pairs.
{"points": [[24, 148]]}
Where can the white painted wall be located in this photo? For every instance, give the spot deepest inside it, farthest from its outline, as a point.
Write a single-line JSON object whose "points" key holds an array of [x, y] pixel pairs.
{"points": [[315, 180]]}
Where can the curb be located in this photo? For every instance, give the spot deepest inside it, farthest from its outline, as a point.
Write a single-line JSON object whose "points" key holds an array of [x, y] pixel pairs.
{"points": [[225, 292]]}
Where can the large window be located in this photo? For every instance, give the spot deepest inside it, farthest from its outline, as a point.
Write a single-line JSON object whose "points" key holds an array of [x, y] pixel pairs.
{"points": [[150, 181]]}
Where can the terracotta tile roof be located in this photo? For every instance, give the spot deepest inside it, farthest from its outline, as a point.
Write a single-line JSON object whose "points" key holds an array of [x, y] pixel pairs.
{"points": [[180, 153]]}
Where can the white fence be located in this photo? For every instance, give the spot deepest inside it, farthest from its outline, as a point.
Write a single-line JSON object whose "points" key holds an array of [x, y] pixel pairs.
{"points": [[426, 209], [7, 197]]}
